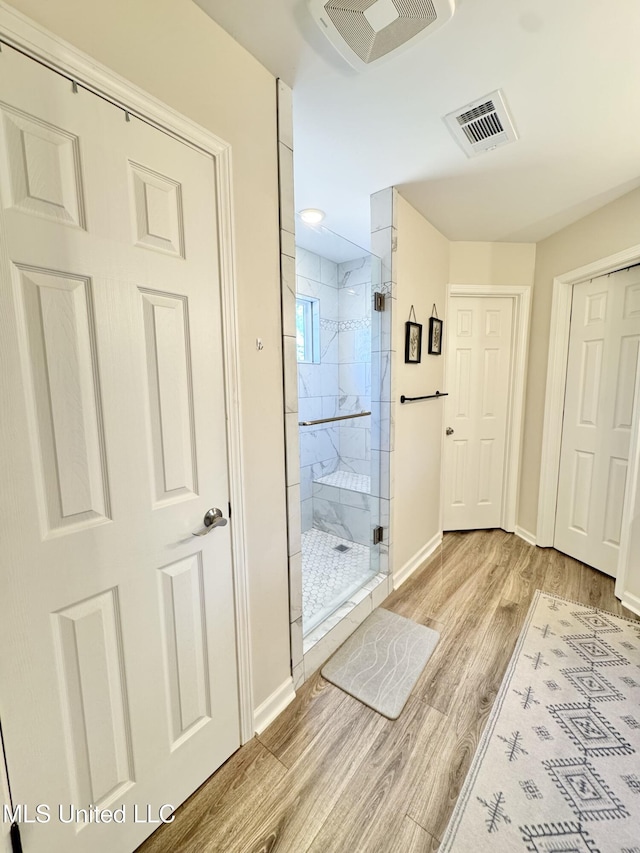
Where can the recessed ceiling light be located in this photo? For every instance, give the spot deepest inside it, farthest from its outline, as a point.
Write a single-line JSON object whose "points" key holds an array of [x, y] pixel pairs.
{"points": [[311, 215]]}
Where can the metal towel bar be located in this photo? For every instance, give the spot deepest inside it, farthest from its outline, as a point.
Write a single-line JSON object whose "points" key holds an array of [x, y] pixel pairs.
{"points": [[329, 420], [404, 399]]}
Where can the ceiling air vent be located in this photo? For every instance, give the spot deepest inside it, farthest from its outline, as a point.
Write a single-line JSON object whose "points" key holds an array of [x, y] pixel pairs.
{"points": [[482, 125], [367, 31]]}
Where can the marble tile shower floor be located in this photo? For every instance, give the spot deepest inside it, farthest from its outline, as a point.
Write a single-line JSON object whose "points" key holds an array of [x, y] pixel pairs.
{"points": [[329, 576]]}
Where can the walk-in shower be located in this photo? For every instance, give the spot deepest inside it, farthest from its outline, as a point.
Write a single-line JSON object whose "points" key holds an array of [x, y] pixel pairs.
{"points": [[335, 329]]}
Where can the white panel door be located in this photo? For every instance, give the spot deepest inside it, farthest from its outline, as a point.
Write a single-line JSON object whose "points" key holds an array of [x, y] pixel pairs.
{"points": [[478, 379], [118, 678], [598, 408]]}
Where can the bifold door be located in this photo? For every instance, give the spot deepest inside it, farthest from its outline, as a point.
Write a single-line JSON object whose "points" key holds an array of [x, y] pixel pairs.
{"points": [[599, 399]]}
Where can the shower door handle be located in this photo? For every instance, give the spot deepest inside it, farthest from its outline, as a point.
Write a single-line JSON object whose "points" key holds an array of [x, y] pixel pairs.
{"points": [[212, 519]]}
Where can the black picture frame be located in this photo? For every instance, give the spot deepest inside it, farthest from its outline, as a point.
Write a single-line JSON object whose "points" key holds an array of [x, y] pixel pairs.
{"points": [[435, 336], [412, 342]]}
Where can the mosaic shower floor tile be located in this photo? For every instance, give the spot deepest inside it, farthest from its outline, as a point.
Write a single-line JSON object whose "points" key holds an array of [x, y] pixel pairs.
{"points": [[330, 574]]}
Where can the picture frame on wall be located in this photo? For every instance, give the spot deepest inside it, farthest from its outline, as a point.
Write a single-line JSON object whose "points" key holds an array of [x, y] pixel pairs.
{"points": [[435, 336], [412, 342]]}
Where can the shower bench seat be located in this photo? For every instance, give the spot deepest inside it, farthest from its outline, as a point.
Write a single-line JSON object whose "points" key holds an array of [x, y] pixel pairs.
{"points": [[347, 480]]}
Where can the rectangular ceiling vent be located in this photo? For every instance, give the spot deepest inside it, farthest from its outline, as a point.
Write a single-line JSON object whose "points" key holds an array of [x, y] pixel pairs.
{"points": [[482, 125], [368, 31]]}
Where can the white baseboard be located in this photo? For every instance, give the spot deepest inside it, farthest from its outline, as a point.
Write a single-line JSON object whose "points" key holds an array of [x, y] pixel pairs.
{"points": [[416, 561], [524, 534], [631, 602], [273, 705]]}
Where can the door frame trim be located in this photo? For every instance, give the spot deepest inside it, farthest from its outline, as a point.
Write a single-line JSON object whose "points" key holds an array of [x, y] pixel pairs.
{"points": [[520, 295], [47, 48], [559, 330]]}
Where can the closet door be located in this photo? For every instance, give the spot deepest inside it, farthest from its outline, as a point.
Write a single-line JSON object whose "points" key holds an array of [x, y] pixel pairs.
{"points": [[118, 668], [599, 405]]}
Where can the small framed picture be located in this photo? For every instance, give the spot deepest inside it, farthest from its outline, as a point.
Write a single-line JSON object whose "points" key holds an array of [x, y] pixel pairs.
{"points": [[413, 343], [435, 336]]}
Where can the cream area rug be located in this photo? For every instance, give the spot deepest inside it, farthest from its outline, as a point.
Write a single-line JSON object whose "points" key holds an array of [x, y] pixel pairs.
{"points": [[558, 766], [382, 660]]}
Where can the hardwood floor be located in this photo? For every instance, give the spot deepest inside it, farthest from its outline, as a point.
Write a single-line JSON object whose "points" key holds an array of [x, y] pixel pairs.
{"points": [[332, 776]]}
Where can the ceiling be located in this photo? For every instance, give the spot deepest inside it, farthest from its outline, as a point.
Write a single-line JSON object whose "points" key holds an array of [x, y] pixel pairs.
{"points": [[570, 72]]}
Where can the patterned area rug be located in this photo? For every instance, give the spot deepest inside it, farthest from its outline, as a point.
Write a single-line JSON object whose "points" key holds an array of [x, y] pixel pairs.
{"points": [[558, 766], [382, 660]]}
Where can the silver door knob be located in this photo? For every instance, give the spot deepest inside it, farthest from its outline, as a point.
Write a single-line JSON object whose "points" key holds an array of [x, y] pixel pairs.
{"points": [[449, 431], [212, 519]]}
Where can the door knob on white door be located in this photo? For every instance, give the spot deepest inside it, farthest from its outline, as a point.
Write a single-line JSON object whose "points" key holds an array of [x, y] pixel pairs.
{"points": [[212, 518], [450, 431]]}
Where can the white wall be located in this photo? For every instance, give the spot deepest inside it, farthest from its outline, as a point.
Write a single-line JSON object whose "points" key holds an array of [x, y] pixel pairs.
{"points": [[177, 53], [492, 263], [422, 272], [424, 263], [5, 828]]}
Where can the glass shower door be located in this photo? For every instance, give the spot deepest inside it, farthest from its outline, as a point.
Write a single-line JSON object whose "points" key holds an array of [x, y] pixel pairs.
{"points": [[339, 510]]}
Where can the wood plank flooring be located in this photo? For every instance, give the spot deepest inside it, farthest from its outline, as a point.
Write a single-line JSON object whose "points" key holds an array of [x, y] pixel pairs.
{"points": [[332, 776]]}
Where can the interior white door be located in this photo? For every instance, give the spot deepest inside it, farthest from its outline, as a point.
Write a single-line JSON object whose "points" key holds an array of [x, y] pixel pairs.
{"points": [[478, 380], [598, 408], [118, 673]]}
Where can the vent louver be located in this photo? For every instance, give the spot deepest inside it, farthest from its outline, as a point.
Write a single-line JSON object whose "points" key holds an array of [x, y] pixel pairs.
{"points": [[482, 125], [366, 31]]}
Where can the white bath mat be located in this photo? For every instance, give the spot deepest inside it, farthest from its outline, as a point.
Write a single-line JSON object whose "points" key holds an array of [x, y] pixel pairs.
{"points": [[381, 661]]}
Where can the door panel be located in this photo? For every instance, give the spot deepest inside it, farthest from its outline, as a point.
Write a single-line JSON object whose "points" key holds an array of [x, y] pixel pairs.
{"points": [[157, 206], [614, 500], [170, 392], [478, 379], [582, 484], [590, 382], [119, 681], [185, 645], [462, 380], [625, 386], [88, 638], [485, 470], [42, 174], [599, 400], [57, 332], [491, 369]]}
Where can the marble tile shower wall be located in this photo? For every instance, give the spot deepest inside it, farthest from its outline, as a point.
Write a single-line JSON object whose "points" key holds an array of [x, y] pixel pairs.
{"points": [[339, 384], [318, 383]]}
